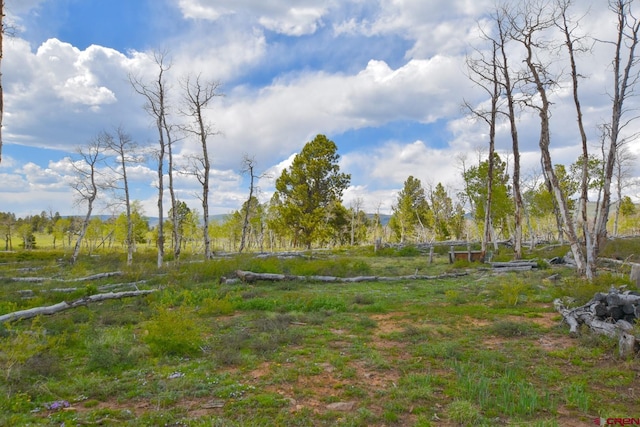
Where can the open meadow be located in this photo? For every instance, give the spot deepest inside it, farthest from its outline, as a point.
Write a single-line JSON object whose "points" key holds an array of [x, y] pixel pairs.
{"points": [[473, 348]]}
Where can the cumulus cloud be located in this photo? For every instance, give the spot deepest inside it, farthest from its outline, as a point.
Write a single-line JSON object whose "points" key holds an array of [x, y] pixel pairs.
{"points": [[278, 119], [57, 95]]}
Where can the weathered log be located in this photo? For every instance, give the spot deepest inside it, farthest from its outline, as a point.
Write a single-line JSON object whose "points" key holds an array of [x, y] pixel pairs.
{"points": [[79, 279], [622, 299], [97, 276], [515, 268], [249, 277], [532, 264], [29, 279], [64, 305]]}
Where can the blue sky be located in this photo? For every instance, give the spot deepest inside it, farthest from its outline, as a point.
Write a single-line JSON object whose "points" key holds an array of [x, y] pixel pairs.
{"points": [[385, 80]]}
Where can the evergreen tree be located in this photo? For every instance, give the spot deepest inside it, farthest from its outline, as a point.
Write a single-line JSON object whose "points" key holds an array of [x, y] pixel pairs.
{"points": [[308, 188], [412, 215]]}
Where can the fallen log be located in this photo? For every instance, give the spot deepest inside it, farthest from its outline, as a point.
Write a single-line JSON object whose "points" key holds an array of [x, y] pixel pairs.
{"points": [[514, 268], [250, 277], [64, 305], [532, 264], [79, 279]]}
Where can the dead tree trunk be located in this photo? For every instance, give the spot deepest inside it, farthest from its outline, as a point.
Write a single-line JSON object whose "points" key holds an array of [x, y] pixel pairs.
{"points": [[62, 306]]}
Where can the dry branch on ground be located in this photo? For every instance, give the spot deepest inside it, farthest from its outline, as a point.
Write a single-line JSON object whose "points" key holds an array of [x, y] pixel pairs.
{"points": [[64, 305]]}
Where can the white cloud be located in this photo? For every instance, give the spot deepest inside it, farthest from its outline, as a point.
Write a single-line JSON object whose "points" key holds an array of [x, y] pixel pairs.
{"points": [[57, 95], [303, 18]]}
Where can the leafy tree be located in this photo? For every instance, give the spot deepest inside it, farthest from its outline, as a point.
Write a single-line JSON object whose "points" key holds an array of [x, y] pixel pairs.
{"points": [[411, 214], [179, 214], [308, 188], [7, 228], [192, 229], [359, 224], [95, 231], [139, 226], [627, 207], [338, 225], [25, 231], [595, 174], [476, 178], [62, 231], [542, 202], [448, 218]]}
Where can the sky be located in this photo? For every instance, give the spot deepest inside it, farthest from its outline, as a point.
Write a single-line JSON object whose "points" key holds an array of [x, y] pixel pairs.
{"points": [[384, 79]]}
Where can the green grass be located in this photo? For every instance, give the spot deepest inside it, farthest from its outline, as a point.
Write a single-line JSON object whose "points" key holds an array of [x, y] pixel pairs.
{"points": [[467, 350]]}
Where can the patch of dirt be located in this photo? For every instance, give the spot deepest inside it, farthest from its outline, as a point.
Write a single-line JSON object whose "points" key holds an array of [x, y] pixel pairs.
{"points": [[389, 322], [555, 342]]}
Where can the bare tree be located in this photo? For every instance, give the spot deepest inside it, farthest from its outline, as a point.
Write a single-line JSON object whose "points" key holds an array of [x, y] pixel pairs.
{"points": [[484, 72], [87, 182], [155, 104], [508, 87], [529, 24], [249, 164], [622, 173], [625, 77], [197, 95], [574, 45], [126, 151]]}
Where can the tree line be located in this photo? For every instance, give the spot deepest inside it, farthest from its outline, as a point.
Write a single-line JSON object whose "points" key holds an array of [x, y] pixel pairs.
{"points": [[307, 210]]}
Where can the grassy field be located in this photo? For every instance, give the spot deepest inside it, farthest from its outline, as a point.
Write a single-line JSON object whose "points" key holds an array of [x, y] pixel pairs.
{"points": [[480, 349]]}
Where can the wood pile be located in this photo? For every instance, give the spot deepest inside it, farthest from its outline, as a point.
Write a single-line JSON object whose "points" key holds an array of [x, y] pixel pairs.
{"points": [[612, 314], [514, 265]]}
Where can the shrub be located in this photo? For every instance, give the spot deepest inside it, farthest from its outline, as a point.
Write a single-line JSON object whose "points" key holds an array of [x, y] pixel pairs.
{"points": [[175, 332], [511, 292], [216, 306], [111, 351]]}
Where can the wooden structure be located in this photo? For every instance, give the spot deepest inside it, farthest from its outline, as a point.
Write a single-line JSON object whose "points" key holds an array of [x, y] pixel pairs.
{"points": [[468, 255]]}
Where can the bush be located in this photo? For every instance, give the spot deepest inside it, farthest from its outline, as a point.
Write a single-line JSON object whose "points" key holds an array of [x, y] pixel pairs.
{"points": [[111, 351], [174, 332]]}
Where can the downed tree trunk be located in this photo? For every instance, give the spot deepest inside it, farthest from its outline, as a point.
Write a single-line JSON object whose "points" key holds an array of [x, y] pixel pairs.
{"points": [[608, 314], [64, 305], [79, 279], [249, 277], [100, 288]]}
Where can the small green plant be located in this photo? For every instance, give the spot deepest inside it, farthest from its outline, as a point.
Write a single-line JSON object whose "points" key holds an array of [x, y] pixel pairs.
{"points": [[577, 396], [453, 297], [19, 347], [363, 299], [110, 351], [216, 306], [174, 331], [463, 412], [511, 292]]}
